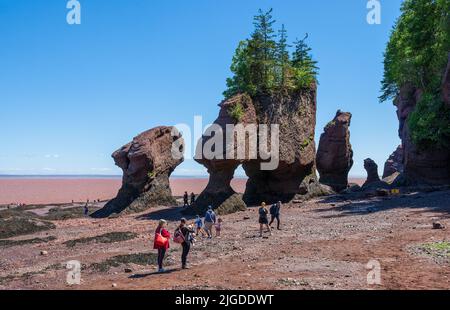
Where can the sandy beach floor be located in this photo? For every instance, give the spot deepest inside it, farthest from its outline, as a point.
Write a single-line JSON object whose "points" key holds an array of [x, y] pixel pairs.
{"points": [[325, 243]]}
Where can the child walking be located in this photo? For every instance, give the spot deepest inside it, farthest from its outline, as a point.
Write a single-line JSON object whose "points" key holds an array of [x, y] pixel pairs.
{"points": [[218, 227]]}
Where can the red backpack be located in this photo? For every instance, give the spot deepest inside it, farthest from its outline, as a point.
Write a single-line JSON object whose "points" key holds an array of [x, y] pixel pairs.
{"points": [[178, 236]]}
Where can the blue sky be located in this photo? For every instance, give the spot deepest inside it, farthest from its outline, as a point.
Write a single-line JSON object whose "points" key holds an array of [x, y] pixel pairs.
{"points": [[72, 94]]}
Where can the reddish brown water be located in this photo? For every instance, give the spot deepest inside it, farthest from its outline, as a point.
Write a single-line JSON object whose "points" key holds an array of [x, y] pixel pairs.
{"points": [[60, 190]]}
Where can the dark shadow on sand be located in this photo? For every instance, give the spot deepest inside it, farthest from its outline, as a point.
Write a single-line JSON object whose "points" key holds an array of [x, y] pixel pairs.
{"points": [[145, 275], [169, 214], [436, 202]]}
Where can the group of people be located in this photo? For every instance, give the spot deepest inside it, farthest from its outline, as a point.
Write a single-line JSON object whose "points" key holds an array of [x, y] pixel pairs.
{"points": [[274, 211], [186, 202], [185, 235]]}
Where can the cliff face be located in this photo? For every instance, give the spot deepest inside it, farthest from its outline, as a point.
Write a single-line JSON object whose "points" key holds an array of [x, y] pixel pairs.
{"points": [[430, 166], [295, 115], [335, 154], [147, 163]]}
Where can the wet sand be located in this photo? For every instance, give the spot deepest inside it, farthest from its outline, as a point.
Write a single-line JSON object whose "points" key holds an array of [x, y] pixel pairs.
{"points": [[64, 190]]}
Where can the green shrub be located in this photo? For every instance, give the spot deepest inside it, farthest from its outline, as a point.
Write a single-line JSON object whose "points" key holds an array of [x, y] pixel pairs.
{"points": [[429, 123], [236, 112]]}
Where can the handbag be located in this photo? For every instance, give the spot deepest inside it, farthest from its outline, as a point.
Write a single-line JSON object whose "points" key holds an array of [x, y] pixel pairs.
{"points": [[160, 241]]}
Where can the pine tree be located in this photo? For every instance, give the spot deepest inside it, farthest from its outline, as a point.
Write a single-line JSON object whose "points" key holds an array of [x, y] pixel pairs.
{"points": [[262, 46], [283, 73], [304, 66], [263, 65], [242, 80]]}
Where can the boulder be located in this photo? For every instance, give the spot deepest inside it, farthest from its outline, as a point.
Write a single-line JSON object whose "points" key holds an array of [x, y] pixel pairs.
{"points": [[147, 163], [372, 172], [394, 164], [335, 155]]}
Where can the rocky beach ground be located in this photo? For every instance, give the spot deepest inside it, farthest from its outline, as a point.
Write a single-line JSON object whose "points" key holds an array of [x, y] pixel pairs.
{"points": [[324, 243]]}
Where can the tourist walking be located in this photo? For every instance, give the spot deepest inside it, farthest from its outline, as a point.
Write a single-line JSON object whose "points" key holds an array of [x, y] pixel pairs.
{"points": [[199, 226], [218, 227], [192, 199], [275, 211], [263, 219], [210, 220], [186, 199], [186, 232], [161, 243], [86, 209]]}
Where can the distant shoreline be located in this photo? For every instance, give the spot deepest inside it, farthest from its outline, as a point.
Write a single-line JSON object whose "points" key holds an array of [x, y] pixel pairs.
{"points": [[60, 189]]}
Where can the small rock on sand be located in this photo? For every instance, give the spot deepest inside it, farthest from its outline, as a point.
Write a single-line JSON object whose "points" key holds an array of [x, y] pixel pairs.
{"points": [[44, 253], [437, 225]]}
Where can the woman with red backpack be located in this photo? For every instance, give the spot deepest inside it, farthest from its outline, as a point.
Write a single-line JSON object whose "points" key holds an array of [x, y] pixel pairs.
{"points": [[161, 243]]}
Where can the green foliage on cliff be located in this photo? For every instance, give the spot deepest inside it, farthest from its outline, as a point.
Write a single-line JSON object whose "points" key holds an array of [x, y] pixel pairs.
{"points": [[263, 63], [430, 123], [236, 112], [417, 51], [416, 55]]}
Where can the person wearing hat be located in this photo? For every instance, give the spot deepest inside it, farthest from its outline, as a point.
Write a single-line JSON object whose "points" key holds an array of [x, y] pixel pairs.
{"points": [[263, 219], [210, 220]]}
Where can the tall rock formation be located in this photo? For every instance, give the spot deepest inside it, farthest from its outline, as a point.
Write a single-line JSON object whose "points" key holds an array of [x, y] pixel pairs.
{"points": [[295, 115], [335, 155], [296, 172], [372, 172], [221, 166], [394, 164], [147, 163]]}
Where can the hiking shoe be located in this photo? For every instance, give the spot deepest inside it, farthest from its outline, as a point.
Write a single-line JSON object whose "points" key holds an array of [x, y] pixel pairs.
{"points": [[162, 270]]}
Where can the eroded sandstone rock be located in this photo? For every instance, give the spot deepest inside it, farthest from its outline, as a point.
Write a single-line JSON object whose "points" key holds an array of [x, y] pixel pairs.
{"points": [[335, 155], [147, 163], [394, 164], [372, 172], [295, 115], [431, 165]]}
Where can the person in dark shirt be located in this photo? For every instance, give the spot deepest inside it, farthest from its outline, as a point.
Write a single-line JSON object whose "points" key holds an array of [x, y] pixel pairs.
{"points": [[192, 199], [263, 220], [275, 210], [186, 245], [186, 199]]}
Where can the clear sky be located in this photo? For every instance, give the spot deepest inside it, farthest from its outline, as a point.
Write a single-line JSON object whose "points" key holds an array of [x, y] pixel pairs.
{"points": [[72, 94]]}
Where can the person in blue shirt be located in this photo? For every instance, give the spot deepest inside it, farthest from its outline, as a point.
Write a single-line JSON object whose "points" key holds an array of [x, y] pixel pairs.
{"points": [[199, 226], [210, 220]]}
